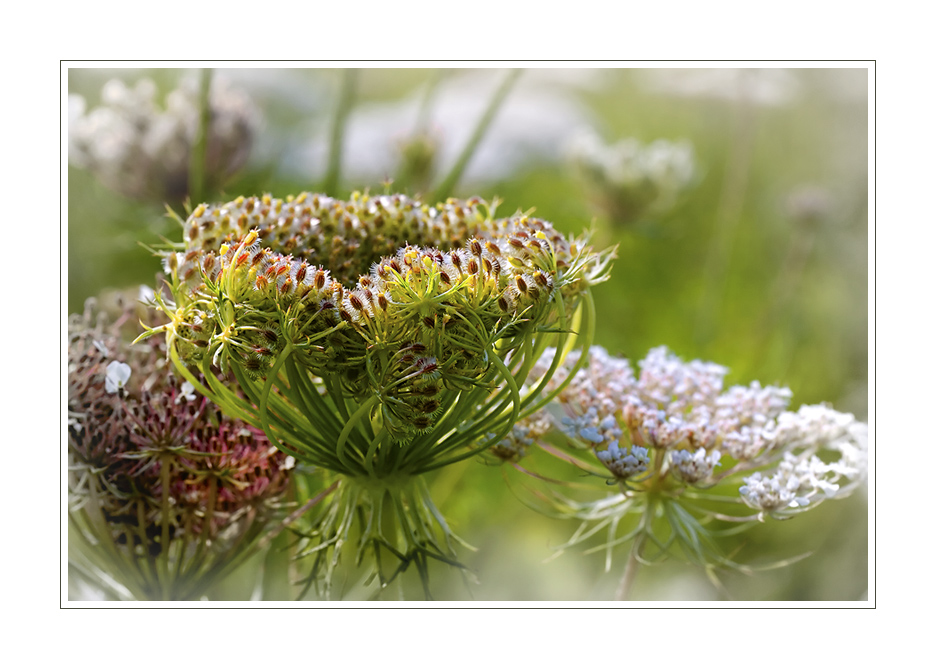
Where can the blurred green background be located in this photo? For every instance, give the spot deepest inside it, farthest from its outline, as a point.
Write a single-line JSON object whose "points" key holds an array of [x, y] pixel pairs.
{"points": [[761, 265]]}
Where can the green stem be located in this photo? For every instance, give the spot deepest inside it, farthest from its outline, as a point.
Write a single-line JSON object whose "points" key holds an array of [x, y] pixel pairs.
{"points": [[164, 476], [727, 220], [360, 414], [451, 179], [198, 159], [630, 571], [345, 101], [633, 562]]}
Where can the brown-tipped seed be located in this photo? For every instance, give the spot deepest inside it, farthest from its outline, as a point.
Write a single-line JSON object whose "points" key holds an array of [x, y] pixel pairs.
{"points": [[320, 279]]}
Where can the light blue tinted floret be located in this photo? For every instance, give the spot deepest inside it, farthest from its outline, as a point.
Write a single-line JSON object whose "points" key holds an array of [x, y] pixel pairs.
{"points": [[624, 464], [591, 434], [694, 467], [590, 428]]}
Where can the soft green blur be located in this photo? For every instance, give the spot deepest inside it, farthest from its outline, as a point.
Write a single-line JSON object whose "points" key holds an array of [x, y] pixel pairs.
{"points": [[729, 274]]}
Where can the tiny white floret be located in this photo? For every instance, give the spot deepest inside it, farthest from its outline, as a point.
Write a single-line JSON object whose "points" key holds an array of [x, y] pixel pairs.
{"points": [[118, 373]]}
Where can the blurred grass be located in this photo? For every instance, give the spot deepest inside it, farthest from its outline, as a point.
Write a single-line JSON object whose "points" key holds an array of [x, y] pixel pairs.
{"points": [[807, 330]]}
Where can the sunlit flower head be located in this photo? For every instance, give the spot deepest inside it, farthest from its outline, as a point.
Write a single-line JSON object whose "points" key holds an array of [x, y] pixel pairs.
{"points": [[378, 338]]}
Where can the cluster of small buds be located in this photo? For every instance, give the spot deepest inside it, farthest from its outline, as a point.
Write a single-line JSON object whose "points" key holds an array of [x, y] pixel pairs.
{"points": [[591, 430], [674, 386], [679, 411], [796, 482], [347, 237], [524, 434], [630, 179], [696, 467], [624, 463], [143, 152], [369, 299], [152, 460]]}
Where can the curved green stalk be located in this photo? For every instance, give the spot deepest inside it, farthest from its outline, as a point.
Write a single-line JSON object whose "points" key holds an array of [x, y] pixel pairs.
{"points": [[445, 188], [345, 102]]}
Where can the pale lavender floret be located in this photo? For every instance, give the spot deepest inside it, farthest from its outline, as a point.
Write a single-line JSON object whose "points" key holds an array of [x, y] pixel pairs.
{"points": [[624, 464], [752, 405], [653, 426], [675, 385], [748, 442]]}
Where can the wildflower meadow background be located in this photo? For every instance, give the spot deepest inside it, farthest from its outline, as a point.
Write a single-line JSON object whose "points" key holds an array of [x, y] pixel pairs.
{"points": [[737, 200]]}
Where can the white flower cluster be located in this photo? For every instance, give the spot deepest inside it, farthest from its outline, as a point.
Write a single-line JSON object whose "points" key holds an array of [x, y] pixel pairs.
{"points": [[679, 410], [630, 178], [143, 152]]}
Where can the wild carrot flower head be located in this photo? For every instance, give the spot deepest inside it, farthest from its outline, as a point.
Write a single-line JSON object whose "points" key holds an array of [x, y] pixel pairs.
{"points": [[168, 490], [676, 426], [142, 150], [377, 338], [671, 437], [335, 283]]}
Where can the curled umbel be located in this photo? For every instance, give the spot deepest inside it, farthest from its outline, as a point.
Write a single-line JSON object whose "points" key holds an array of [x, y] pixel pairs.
{"points": [[382, 300]]}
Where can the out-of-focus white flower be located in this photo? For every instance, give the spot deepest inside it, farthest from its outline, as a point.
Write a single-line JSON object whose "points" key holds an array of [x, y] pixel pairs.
{"points": [[186, 393], [767, 87], [116, 376], [143, 152], [147, 295], [808, 204], [629, 179]]}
